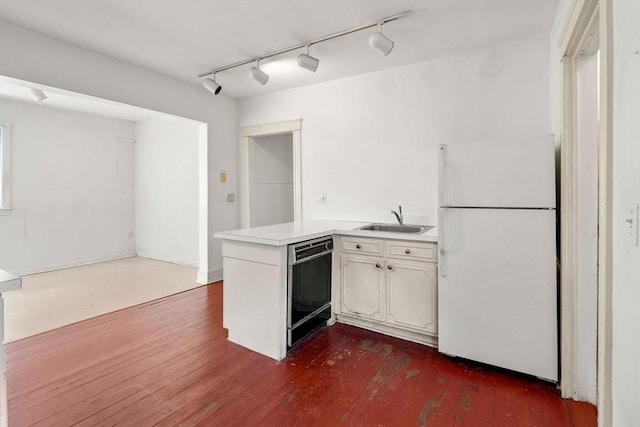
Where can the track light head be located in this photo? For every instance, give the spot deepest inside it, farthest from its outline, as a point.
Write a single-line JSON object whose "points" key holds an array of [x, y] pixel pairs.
{"points": [[307, 61], [37, 95], [211, 85], [381, 43], [259, 75]]}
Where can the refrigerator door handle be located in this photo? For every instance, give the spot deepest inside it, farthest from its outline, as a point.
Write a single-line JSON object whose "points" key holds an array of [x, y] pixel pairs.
{"points": [[441, 243], [442, 178]]}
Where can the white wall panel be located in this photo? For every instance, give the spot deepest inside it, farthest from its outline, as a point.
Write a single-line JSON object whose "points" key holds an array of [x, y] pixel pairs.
{"points": [[72, 189], [626, 181], [167, 190], [370, 142]]}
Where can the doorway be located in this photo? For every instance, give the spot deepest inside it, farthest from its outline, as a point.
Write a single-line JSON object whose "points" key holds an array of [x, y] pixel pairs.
{"points": [[586, 206], [271, 179], [270, 174]]}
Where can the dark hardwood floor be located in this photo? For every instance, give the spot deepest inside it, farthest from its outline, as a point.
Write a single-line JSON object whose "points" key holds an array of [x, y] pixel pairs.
{"points": [[168, 362]]}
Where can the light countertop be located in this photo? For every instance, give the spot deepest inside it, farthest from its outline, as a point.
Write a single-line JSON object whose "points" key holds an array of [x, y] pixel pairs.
{"points": [[293, 232], [9, 282]]}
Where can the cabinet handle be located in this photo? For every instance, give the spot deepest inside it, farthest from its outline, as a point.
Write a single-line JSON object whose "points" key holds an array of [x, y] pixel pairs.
{"points": [[390, 267], [407, 251], [377, 265], [358, 246]]}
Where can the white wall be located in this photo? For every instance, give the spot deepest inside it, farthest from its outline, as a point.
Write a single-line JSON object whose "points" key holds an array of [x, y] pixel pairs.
{"points": [[271, 192], [370, 142], [82, 71], [166, 190], [72, 189], [626, 188]]}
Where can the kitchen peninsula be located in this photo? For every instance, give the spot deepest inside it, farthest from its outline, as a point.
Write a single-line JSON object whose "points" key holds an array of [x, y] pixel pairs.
{"points": [[255, 281]]}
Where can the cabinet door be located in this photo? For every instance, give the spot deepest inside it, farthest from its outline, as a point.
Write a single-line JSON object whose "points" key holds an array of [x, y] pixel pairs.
{"points": [[362, 286], [412, 295]]}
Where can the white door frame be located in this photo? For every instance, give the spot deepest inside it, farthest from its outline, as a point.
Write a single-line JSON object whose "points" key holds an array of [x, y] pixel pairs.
{"points": [[585, 17], [248, 132]]}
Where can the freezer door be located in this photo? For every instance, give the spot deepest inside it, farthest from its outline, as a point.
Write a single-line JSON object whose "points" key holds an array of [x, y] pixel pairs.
{"points": [[511, 173], [497, 297]]}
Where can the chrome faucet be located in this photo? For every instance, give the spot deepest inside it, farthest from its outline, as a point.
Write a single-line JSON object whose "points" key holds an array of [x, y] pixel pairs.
{"points": [[398, 214]]}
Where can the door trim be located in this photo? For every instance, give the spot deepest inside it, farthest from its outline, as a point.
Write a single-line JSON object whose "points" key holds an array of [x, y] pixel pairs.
{"points": [[248, 132], [605, 250], [584, 17]]}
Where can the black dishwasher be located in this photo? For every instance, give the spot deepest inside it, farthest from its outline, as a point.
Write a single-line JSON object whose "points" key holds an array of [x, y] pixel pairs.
{"points": [[309, 287]]}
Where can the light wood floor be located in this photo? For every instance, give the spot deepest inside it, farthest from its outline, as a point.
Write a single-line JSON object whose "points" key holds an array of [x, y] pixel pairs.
{"points": [[62, 297], [168, 362]]}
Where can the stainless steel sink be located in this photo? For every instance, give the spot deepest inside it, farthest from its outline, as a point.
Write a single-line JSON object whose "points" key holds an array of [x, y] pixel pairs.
{"points": [[396, 228]]}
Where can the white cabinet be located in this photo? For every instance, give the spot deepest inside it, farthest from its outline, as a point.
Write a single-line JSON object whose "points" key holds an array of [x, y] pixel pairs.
{"points": [[412, 295], [389, 286], [363, 296]]}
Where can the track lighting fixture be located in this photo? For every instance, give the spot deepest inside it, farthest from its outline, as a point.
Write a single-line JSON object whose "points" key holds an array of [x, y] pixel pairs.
{"points": [[211, 85], [259, 75], [381, 43], [307, 61], [377, 40], [37, 95]]}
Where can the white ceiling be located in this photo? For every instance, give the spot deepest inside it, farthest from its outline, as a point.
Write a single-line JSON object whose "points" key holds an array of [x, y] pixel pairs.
{"points": [[182, 38]]}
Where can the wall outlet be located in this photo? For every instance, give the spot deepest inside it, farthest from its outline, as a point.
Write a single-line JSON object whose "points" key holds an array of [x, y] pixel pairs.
{"points": [[631, 223], [231, 197], [322, 198]]}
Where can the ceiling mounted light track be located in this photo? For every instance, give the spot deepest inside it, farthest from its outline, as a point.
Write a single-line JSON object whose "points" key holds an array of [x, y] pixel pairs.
{"points": [[377, 40]]}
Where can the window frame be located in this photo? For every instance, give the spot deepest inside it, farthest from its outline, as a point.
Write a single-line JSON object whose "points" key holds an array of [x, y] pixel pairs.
{"points": [[5, 168]]}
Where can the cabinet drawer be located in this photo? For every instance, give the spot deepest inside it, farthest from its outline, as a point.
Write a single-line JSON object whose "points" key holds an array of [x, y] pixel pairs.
{"points": [[412, 250], [362, 246]]}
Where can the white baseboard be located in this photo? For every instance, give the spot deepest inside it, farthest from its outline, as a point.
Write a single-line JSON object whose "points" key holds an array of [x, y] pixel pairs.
{"points": [[157, 257], [206, 277], [203, 277], [69, 264]]}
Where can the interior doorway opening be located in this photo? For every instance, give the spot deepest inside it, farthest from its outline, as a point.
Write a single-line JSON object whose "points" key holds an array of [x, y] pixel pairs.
{"points": [[271, 179], [132, 182], [124, 190], [270, 174], [586, 206]]}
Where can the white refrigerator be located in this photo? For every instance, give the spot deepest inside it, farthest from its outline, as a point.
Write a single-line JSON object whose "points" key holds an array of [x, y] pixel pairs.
{"points": [[497, 292]]}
